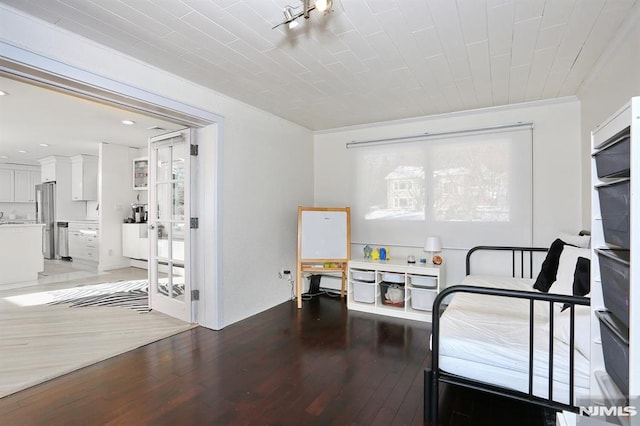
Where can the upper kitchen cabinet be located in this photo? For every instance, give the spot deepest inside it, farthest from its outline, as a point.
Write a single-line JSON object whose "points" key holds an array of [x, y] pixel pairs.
{"points": [[141, 173], [17, 183], [6, 185], [25, 185], [49, 167], [84, 178], [58, 169]]}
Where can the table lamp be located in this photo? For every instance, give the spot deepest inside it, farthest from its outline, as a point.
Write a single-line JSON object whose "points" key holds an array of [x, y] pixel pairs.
{"points": [[432, 246]]}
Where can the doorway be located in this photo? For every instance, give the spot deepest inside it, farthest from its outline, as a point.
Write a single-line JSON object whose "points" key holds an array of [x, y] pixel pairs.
{"points": [[42, 71]]}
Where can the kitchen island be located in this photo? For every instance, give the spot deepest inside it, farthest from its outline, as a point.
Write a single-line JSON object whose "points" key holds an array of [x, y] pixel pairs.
{"points": [[20, 253]]}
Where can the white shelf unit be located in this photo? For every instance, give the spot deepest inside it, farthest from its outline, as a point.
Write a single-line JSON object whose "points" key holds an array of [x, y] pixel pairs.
{"points": [[627, 118], [366, 295]]}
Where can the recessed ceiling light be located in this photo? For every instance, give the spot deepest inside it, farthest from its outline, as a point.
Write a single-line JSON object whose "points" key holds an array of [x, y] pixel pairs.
{"points": [[22, 151], [44, 144], [128, 122], [3, 156], [3, 93]]}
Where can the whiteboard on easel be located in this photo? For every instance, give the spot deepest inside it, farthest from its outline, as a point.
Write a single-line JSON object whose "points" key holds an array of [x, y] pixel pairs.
{"points": [[323, 233]]}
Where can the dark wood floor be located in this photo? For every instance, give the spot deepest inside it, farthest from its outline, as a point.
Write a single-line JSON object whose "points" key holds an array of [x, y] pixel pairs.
{"points": [[315, 366]]}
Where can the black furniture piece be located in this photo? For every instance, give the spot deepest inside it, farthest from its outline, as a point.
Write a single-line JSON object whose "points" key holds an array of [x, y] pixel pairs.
{"points": [[434, 376]]}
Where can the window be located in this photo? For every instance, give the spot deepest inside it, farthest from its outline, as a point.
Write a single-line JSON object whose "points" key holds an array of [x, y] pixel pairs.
{"points": [[471, 189]]}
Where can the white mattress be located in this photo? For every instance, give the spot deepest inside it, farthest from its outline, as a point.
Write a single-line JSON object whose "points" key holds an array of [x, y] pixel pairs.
{"points": [[486, 338]]}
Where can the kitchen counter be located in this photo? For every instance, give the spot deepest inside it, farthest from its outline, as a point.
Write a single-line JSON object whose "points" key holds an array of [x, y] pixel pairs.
{"points": [[20, 253], [15, 221]]}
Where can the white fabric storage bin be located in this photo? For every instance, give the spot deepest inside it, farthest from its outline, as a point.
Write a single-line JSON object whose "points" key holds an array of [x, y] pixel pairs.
{"points": [[364, 292], [392, 277], [368, 276], [425, 281], [422, 298]]}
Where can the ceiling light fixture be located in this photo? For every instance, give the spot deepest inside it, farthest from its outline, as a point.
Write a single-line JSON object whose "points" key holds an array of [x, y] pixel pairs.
{"points": [[22, 151], [128, 122], [290, 17], [44, 144], [324, 5], [3, 157], [3, 93]]}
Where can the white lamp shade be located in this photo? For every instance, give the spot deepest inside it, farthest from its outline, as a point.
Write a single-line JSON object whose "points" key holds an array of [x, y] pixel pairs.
{"points": [[432, 244]]}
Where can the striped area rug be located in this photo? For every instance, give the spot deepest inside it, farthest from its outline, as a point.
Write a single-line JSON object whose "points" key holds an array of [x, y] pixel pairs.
{"points": [[129, 294]]}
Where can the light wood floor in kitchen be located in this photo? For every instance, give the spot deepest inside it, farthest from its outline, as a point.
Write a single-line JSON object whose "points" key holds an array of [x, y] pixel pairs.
{"points": [[41, 342]]}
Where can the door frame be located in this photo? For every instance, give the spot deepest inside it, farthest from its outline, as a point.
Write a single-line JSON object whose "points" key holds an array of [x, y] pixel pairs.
{"points": [[37, 69]]}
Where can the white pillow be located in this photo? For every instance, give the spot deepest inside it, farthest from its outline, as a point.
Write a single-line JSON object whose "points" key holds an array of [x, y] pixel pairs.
{"points": [[582, 328], [564, 285], [582, 241], [567, 268]]}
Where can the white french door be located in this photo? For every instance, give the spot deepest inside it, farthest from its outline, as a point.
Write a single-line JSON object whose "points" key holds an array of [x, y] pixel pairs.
{"points": [[170, 165]]}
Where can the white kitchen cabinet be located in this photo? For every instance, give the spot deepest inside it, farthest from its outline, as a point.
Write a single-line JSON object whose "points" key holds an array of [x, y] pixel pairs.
{"points": [[58, 169], [84, 241], [48, 169], [84, 178], [20, 254], [135, 243], [17, 184], [177, 250], [141, 173], [415, 287], [6, 185], [25, 185]]}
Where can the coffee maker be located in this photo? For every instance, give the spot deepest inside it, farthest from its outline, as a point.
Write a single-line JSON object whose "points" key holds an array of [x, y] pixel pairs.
{"points": [[139, 212]]}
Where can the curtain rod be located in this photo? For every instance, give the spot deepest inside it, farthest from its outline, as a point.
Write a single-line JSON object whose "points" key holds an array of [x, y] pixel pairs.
{"points": [[400, 139]]}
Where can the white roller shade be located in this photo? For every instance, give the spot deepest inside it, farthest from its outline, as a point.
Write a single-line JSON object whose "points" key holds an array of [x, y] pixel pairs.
{"points": [[470, 188]]}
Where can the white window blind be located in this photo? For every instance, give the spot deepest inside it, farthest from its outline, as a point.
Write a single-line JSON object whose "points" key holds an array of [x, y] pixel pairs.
{"points": [[469, 189]]}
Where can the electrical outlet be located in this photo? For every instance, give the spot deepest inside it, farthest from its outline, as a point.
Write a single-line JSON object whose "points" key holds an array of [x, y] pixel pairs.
{"points": [[284, 274]]}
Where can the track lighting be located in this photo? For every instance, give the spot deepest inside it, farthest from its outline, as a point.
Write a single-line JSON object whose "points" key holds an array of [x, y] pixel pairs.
{"points": [[288, 17], [324, 5], [307, 6]]}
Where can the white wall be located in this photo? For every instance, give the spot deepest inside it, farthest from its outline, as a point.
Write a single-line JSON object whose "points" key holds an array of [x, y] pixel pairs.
{"points": [[268, 172], [556, 166], [268, 163], [115, 195], [613, 82]]}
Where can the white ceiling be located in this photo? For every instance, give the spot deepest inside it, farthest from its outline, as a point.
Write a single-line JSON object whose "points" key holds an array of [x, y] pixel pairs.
{"points": [[31, 115], [368, 60]]}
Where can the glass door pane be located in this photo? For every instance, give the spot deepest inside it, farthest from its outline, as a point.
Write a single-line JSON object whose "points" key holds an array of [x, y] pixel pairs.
{"points": [[169, 158]]}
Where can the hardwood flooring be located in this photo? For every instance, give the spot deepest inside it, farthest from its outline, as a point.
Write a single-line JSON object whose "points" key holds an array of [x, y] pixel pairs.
{"points": [[39, 342], [315, 366]]}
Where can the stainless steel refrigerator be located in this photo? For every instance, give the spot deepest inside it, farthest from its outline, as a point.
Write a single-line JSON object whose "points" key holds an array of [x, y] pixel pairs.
{"points": [[45, 213]]}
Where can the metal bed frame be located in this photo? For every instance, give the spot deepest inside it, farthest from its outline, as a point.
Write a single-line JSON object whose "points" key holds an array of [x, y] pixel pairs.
{"points": [[434, 376]]}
